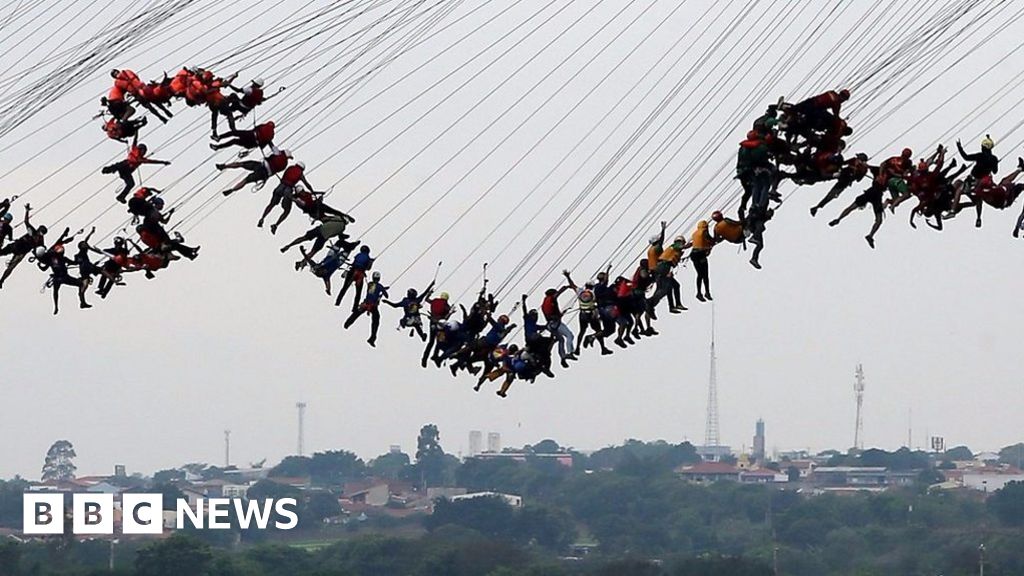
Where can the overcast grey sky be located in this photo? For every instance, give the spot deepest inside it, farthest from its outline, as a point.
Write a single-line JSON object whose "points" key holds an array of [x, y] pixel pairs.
{"points": [[151, 377]]}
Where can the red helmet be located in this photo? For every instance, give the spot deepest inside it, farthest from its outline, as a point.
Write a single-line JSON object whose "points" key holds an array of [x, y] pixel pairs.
{"points": [[907, 153], [753, 135], [844, 94], [142, 192], [717, 216]]}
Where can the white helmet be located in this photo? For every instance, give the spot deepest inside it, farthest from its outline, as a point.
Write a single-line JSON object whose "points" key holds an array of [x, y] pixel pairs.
{"points": [[258, 82], [39, 252], [287, 153], [376, 276], [301, 164], [299, 188], [452, 324], [655, 239]]}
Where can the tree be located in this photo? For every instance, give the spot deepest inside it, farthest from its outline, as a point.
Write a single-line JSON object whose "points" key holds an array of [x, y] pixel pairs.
{"points": [[389, 465], [430, 461], [958, 453], [179, 554], [1007, 504], [292, 466], [488, 515], [335, 467], [547, 446], [1012, 455], [59, 464]]}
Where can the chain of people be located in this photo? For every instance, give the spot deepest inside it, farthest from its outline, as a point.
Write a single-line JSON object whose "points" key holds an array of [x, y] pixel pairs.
{"points": [[803, 143]]}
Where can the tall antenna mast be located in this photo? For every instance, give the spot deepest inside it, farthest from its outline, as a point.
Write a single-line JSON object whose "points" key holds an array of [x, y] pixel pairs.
{"points": [[711, 436], [858, 389], [227, 448], [301, 406]]}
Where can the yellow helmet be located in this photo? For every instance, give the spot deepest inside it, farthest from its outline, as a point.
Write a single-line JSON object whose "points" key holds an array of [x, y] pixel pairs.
{"points": [[987, 142], [443, 295]]}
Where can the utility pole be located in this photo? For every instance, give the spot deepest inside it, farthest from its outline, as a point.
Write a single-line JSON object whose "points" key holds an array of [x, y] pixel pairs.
{"points": [[301, 406], [981, 560], [712, 439]]}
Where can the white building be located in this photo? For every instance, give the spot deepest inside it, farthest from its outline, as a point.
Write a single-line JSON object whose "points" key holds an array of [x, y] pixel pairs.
{"points": [[476, 442], [493, 442]]}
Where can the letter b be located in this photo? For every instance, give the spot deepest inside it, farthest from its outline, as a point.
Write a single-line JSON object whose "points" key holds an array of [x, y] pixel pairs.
{"points": [[43, 514], [93, 513]]}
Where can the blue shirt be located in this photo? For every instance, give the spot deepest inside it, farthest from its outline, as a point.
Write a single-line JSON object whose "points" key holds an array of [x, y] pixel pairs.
{"points": [[362, 261]]}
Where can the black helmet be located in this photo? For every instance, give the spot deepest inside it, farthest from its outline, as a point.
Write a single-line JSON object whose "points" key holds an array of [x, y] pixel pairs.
{"points": [[411, 293]]}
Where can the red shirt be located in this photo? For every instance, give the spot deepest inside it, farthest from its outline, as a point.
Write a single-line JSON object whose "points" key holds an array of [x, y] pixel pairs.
{"points": [[252, 97], [277, 162], [292, 175], [264, 134], [135, 157], [439, 308], [550, 308]]}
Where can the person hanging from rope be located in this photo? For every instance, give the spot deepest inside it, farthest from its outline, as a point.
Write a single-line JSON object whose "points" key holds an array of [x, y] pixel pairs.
{"points": [[117, 261], [924, 179], [259, 137], [891, 175], [1019, 226], [337, 255], [6, 228], [128, 82], [156, 96], [480, 349], [450, 340], [553, 316], [934, 186], [624, 312], [18, 249], [816, 113], [356, 275], [241, 102], [642, 280], [123, 130], [664, 277], [412, 308], [259, 170], [55, 260], [702, 243], [999, 196], [375, 293], [115, 104], [589, 317], [126, 168], [283, 194], [330, 227], [438, 312], [141, 206], [986, 164], [729, 230], [155, 236], [498, 365], [754, 169], [854, 170], [538, 341]]}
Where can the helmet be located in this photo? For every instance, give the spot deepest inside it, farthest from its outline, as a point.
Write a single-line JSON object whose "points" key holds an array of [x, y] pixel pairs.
{"points": [[299, 188], [114, 73], [590, 284], [142, 192], [158, 202], [59, 249], [987, 142], [443, 295], [142, 147], [301, 164], [271, 123], [39, 252], [753, 135], [452, 324], [503, 319], [907, 153], [364, 249], [8, 217], [376, 276], [42, 230], [655, 239], [411, 293], [287, 153], [258, 82], [679, 240], [717, 216], [862, 157], [119, 241], [844, 94]]}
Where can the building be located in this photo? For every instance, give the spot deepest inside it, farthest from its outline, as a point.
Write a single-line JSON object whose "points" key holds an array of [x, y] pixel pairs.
{"points": [[510, 499], [714, 453], [563, 458], [476, 442], [873, 478], [709, 473], [493, 442], [759, 454], [763, 476]]}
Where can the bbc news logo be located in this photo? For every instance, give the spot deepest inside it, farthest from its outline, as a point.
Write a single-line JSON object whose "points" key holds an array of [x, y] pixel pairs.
{"points": [[43, 514]]}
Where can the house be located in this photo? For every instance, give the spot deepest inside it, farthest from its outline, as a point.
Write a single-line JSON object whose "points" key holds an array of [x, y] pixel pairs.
{"points": [[872, 478], [709, 473], [763, 476], [565, 459], [510, 499], [990, 480], [370, 493]]}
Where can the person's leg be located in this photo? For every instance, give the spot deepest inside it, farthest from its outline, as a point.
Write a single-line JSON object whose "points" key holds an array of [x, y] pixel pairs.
{"points": [[311, 234], [352, 318], [349, 278], [676, 294], [584, 321], [56, 295], [129, 183], [359, 292], [15, 260], [567, 334], [846, 212], [1016, 230], [374, 326], [286, 207], [431, 338], [879, 212]]}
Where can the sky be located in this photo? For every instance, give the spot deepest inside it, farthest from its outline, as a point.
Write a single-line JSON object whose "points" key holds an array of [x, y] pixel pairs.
{"points": [[151, 377]]}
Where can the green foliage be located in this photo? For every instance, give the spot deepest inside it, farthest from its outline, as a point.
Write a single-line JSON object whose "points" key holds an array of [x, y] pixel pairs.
{"points": [[1008, 504], [59, 463], [430, 457], [389, 465], [177, 555]]}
